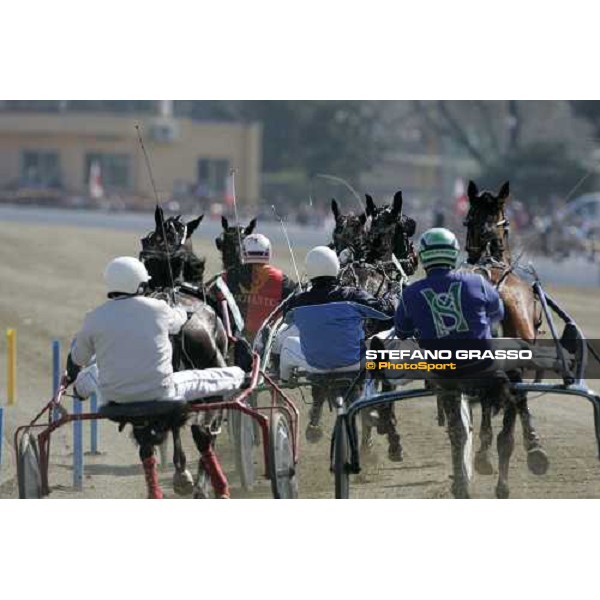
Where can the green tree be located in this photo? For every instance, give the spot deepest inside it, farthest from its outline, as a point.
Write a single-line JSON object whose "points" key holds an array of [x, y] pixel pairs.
{"points": [[343, 137], [588, 110], [494, 135], [537, 172]]}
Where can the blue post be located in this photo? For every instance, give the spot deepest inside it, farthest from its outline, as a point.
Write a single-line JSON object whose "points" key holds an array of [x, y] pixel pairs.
{"points": [[1, 433], [55, 371], [94, 425], [77, 446]]}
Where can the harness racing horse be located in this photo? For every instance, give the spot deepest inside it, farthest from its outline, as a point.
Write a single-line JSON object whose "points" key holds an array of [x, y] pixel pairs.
{"points": [[202, 342], [489, 254], [193, 265], [349, 233], [365, 267], [390, 233], [230, 240]]}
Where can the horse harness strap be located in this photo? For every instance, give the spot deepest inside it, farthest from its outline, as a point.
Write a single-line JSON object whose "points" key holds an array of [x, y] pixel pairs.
{"points": [[485, 269], [378, 268]]}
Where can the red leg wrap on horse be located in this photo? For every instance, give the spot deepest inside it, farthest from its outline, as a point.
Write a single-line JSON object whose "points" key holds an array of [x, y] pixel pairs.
{"points": [[151, 474], [217, 477]]}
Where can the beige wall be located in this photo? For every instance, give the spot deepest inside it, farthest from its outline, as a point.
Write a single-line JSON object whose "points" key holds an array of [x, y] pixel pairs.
{"points": [[74, 135]]}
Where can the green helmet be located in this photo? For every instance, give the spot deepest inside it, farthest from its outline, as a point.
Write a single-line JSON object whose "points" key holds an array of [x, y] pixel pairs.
{"points": [[438, 247]]}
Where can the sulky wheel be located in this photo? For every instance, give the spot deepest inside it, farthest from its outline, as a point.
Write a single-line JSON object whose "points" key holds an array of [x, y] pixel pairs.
{"points": [[28, 468], [282, 470], [341, 460], [243, 439]]}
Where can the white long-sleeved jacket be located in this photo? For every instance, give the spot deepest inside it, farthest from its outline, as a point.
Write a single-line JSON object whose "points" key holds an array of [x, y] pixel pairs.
{"points": [[130, 338]]}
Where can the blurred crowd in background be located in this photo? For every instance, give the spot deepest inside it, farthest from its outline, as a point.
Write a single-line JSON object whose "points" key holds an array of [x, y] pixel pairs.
{"points": [[306, 152]]}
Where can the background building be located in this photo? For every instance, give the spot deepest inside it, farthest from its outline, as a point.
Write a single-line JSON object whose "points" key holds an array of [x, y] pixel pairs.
{"points": [[56, 153]]}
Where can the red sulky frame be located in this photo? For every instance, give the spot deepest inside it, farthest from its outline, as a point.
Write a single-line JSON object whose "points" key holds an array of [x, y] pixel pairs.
{"points": [[279, 402]]}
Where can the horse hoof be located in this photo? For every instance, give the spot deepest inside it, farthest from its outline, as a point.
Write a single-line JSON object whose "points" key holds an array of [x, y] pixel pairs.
{"points": [[502, 491], [482, 464], [537, 461], [460, 491], [372, 419], [313, 433], [183, 483], [395, 453], [200, 494], [202, 488]]}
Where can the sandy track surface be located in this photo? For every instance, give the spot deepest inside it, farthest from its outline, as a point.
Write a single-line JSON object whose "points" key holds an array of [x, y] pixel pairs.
{"points": [[51, 275]]}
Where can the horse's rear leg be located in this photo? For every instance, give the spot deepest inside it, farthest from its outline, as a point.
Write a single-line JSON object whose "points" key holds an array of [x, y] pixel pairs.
{"points": [[537, 459], [203, 439], [183, 482], [387, 425], [163, 450], [506, 444], [149, 463], [366, 431], [441, 417], [314, 432], [458, 434], [483, 464]]}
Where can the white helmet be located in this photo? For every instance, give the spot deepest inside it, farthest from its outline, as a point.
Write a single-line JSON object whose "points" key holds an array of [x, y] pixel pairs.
{"points": [[256, 248], [125, 274], [322, 262]]}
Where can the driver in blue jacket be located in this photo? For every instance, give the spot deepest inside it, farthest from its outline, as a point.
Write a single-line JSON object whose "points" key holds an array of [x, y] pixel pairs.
{"points": [[329, 319]]}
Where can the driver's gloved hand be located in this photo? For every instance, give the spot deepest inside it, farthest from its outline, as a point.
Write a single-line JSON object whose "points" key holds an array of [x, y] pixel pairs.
{"points": [[72, 371]]}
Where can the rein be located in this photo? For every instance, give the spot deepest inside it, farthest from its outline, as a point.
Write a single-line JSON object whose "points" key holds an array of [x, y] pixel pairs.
{"points": [[381, 268]]}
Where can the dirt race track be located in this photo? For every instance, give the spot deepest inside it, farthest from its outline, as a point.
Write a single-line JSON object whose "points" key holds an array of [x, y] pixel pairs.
{"points": [[51, 275]]}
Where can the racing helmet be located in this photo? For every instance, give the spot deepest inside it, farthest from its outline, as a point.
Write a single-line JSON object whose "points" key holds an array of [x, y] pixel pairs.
{"points": [[322, 261], [256, 248], [438, 247], [125, 274]]}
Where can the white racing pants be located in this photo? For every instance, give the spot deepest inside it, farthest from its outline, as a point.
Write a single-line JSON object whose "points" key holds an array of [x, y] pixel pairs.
{"points": [[285, 332], [186, 385], [293, 358], [200, 383]]}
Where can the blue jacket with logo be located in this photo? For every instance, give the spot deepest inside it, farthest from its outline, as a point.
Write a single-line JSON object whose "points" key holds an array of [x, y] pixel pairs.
{"points": [[330, 320], [448, 304]]}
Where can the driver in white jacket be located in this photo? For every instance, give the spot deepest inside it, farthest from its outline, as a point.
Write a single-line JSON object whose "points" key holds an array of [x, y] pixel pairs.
{"points": [[129, 336]]}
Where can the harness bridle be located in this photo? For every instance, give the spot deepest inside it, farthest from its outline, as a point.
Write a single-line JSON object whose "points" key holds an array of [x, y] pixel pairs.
{"points": [[481, 231], [343, 237]]}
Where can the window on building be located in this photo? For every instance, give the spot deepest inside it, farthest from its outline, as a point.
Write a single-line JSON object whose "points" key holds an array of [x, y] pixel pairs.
{"points": [[115, 170], [212, 177], [41, 168]]}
